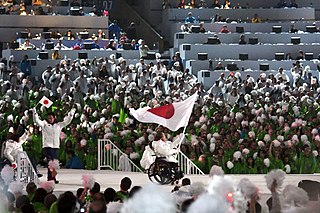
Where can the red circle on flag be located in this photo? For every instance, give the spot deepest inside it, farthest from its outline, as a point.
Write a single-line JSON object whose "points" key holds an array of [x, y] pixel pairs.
{"points": [[45, 102], [166, 111]]}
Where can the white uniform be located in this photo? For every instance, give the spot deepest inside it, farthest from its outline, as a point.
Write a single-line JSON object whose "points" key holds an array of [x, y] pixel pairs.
{"points": [[51, 133], [166, 149], [12, 148]]}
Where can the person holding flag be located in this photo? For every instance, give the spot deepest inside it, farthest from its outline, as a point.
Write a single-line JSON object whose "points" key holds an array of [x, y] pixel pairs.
{"points": [[172, 116], [51, 134]]}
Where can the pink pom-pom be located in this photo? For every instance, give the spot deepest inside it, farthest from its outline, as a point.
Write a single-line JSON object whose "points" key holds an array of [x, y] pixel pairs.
{"points": [[48, 185], [53, 165], [7, 174], [294, 125], [107, 147], [317, 138], [88, 181], [63, 136]]}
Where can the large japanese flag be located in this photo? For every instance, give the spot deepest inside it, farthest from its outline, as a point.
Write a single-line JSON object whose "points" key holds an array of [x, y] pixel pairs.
{"points": [[173, 116], [46, 102]]}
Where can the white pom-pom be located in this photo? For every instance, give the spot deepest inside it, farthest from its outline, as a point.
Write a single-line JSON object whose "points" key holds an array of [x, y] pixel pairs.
{"points": [[150, 198], [104, 111], [83, 118], [230, 165], [252, 134], [304, 138], [203, 119], [197, 124], [261, 144], [95, 114], [317, 138], [247, 188], [237, 155], [209, 136], [315, 153], [239, 116], [212, 147], [151, 137], [280, 138], [276, 143], [10, 117], [207, 203], [216, 170], [212, 140], [221, 186], [267, 138], [287, 167], [314, 131], [275, 175], [7, 174], [48, 185], [286, 129], [196, 189], [245, 151], [88, 181], [102, 120], [139, 141], [83, 142], [115, 152], [295, 138], [16, 187], [295, 196], [134, 155], [255, 155], [266, 162], [53, 165]]}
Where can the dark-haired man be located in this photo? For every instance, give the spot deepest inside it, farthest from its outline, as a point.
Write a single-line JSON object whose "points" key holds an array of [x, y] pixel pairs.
{"points": [[51, 136]]}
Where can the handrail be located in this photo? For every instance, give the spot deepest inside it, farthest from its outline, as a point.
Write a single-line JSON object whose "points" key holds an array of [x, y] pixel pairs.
{"points": [[110, 156], [187, 166], [25, 170]]}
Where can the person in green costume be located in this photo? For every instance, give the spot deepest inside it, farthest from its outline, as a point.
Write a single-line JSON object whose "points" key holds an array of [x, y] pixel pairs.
{"points": [[306, 163]]}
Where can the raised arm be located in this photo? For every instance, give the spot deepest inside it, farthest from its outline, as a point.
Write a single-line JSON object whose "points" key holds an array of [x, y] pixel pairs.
{"points": [[36, 118], [67, 120]]}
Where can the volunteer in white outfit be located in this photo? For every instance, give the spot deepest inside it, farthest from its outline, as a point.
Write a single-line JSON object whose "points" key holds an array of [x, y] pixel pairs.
{"points": [[13, 147], [51, 136]]}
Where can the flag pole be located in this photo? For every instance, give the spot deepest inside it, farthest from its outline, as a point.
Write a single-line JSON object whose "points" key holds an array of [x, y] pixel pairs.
{"points": [[183, 135]]}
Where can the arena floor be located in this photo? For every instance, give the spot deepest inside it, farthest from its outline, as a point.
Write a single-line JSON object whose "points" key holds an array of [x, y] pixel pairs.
{"points": [[70, 179]]}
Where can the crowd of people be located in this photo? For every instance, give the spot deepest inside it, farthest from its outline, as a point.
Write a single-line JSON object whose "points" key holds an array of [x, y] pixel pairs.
{"points": [[222, 195], [242, 124]]}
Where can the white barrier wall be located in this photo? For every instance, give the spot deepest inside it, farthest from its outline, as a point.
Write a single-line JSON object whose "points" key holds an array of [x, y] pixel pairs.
{"points": [[233, 38], [10, 24], [255, 52]]}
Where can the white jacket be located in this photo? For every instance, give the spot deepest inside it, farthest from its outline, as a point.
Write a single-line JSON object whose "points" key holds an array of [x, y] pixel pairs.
{"points": [[165, 149], [148, 157], [51, 133], [12, 148]]}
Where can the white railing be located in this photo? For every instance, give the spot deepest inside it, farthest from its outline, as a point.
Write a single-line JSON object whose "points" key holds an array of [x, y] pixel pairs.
{"points": [[25, 170], [187, 166], [111, 157]]}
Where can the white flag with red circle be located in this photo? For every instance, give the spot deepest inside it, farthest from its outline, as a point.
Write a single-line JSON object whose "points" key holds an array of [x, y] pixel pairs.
{"points": [[46, 102], [173, 116]]}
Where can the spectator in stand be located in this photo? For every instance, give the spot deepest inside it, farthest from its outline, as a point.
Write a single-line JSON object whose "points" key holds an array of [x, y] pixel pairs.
{"points": [[281, 4], [27, 45], [242, 40], [293, 28], [25, 66], [74, 161], [114, 30], [219, 66], [134, 45], [185, 28], [75, 3], [181, 4], [216, 4], [69, 35], [202, 4], [123, 37], [227, 4], [224, 29], [56, 55], [300, 55], [132, 31], [95, 44], [144, 49], [79, 45], [166, 4], [112, 45], [293, 4], [190, 18], [256, 19], [202, 29], [60, 46]]}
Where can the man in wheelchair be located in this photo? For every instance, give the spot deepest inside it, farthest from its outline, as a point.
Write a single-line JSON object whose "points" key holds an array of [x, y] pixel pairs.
{"points": [[159, 158]]}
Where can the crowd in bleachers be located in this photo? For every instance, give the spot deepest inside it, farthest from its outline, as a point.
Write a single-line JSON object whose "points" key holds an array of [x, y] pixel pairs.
{"points": [[242, 124]]}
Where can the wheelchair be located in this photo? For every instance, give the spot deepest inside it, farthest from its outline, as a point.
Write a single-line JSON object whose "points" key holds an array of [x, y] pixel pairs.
{"points": [[164, 172]]}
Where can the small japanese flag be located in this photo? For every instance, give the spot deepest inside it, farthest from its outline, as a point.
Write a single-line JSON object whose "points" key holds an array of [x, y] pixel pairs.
{"points": [[45, 102]]}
